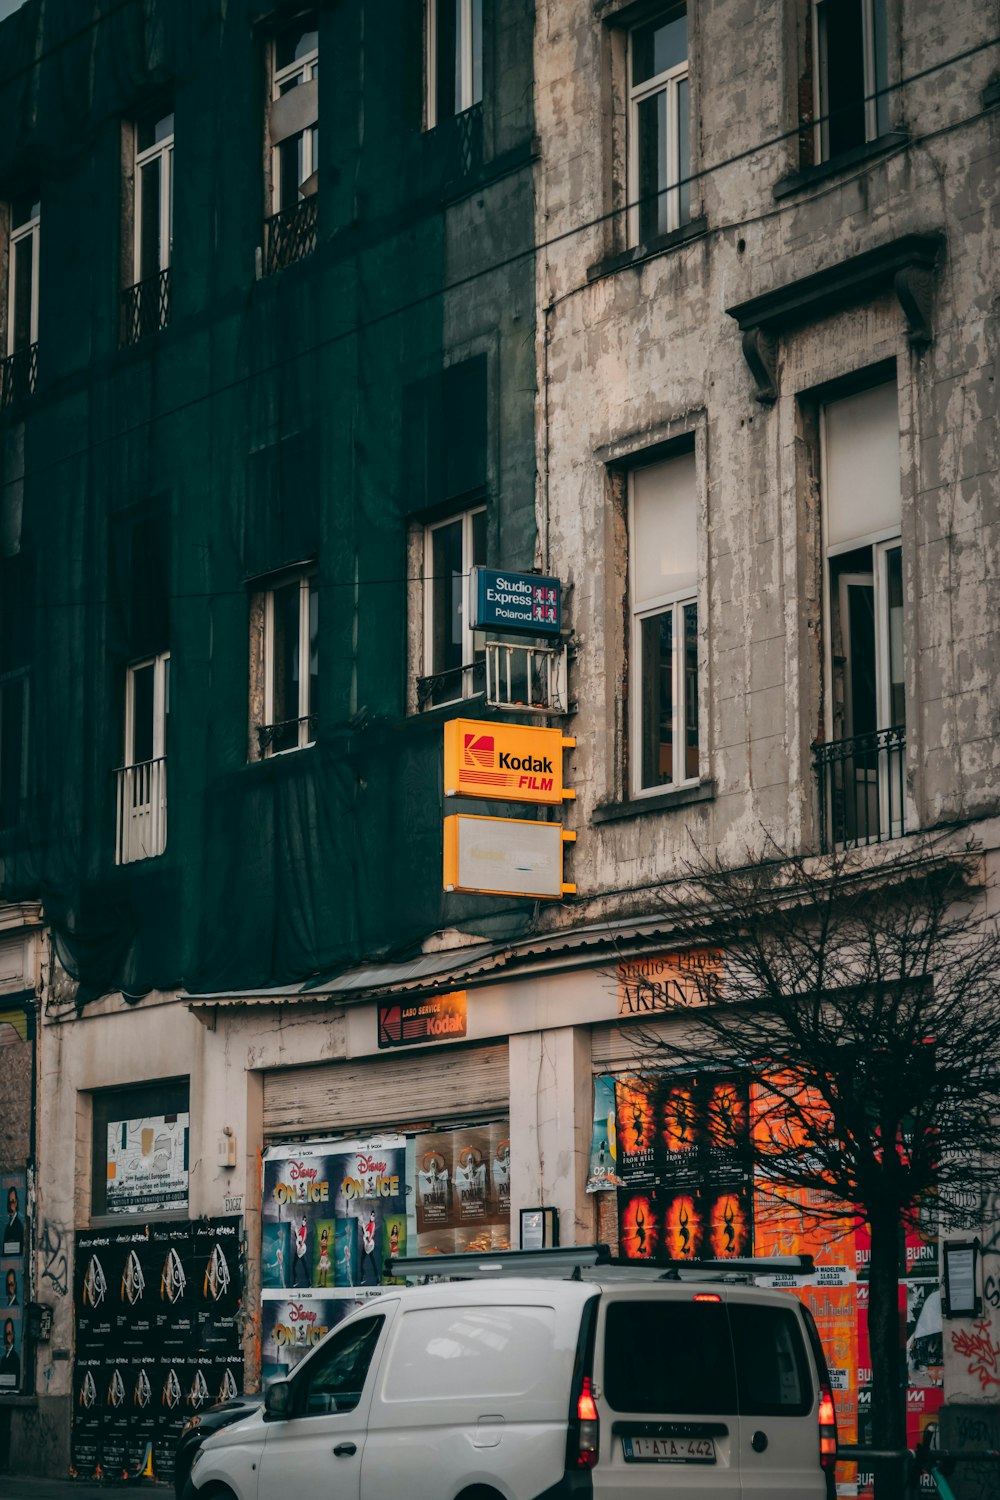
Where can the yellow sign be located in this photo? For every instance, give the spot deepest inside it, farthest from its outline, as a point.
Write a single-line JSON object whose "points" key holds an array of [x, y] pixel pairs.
{"points": [[670, 981], [505, 857], [505, 761]]}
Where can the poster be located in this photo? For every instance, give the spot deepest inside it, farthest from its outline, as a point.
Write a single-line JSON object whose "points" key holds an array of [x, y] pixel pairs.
{"points": [[463, 1189], [603, 1174], [15, 1371], [148, 1164], [158, 1313]]}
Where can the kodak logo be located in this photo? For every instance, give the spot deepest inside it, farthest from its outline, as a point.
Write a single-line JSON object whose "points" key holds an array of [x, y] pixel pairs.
{"points": [[538, 764]]}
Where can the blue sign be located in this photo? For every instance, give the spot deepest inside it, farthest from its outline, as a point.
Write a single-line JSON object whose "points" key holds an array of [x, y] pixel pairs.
{"points": [[516, 602]]}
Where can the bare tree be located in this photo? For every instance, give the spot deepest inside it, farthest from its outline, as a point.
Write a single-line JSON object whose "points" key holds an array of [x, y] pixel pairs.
{"points": [[861, 991]]}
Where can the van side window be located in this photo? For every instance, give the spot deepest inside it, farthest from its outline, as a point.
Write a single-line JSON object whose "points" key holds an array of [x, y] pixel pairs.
{"points": [[771, 1369], [669, 1357], [334, 1379], [444, 1353]]}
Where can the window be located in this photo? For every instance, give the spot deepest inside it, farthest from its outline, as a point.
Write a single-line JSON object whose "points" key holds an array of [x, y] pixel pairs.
{"points": [[146, 304], [285, 664], [293, 137], [641, 1371], [454, 653], [140, 1150], [851, 65], [865, 711], [18, 370], [659, 153], [142, 779], [334, 1378], [439, 1355], [663, 548], [454, 58]]}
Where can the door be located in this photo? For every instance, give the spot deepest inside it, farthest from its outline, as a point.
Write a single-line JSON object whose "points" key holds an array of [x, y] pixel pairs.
{"points": [[317, 1451], [665, 1388], [778, 1398]]}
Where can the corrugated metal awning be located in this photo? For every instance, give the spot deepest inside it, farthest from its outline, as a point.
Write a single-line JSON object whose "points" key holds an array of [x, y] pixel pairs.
{"points": [[454, 967]]}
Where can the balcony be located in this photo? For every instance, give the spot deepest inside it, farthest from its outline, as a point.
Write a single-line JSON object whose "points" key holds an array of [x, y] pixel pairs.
{"points": [[526, 679], [145, 307], [465, 143], [451, 686], [18, 375], [862, 789], [289, 734], [141, 811], [290, 235]]}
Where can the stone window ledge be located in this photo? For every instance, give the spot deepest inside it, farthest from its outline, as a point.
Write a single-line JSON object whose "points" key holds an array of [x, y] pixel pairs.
{"points": [[797, 182], [662, 243], [682, 796]]}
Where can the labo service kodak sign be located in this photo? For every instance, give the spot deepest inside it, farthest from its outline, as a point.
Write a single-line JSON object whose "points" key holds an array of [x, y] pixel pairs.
{"points": [[504, 761]]}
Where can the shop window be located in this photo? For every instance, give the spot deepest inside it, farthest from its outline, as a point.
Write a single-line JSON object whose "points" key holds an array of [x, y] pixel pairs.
{"points": [[19, 369], [293, 139], [284, 664], [141, 809], [851, 68], [659, 149], [140, 1150], [454, 58], [663, 576], [454, 653], [861, 766], [146, 303]]}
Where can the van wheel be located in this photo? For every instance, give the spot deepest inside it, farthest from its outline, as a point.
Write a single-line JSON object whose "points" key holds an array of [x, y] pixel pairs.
{"points": [[479, 1492], [219, 1492]]}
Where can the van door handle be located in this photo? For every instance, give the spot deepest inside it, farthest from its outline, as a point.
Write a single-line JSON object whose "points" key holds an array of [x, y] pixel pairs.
{"points": [[344, 1450]]}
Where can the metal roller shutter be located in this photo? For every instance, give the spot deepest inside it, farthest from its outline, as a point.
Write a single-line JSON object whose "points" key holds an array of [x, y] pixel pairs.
{"points": [[613, 1046], [376, 1092]]}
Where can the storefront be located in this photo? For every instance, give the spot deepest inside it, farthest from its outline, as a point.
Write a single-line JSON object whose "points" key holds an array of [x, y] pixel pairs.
{"points": [[364, 1160]]}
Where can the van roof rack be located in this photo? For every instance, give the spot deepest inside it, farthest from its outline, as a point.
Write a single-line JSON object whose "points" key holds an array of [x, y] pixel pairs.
{"points": [[586, 1262]]}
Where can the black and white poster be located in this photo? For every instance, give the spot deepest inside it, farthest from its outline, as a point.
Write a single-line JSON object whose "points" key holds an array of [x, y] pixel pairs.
{"points": [[158, 1312], [15, 1372]]}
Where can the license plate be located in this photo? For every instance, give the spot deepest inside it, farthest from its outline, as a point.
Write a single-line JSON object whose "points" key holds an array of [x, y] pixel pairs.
{"points": [[668, 1450]]}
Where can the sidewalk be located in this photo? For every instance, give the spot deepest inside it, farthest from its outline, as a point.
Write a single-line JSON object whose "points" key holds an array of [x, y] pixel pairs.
{"points": [[23, 1487]]}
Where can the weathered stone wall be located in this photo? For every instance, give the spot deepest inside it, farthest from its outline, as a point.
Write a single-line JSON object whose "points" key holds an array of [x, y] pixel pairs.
{"points": [[632, 356]]}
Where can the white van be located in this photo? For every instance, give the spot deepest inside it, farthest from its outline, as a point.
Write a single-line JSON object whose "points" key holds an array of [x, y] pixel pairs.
{"points": [[600, 1385]]}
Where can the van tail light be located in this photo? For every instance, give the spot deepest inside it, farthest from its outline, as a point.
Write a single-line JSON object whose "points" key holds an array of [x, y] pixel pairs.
{"points": [[827, 1428], [587, 1427]]}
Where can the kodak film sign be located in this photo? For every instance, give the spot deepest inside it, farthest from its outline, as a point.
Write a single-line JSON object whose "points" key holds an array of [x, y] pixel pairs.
{"points": [[504, 761]]}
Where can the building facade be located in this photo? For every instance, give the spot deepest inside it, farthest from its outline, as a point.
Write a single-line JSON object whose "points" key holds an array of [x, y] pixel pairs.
{"points": [[694, 309]]}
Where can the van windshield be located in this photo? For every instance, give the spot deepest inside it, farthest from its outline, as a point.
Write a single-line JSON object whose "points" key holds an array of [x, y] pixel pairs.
{"points": [[704, 1358]]}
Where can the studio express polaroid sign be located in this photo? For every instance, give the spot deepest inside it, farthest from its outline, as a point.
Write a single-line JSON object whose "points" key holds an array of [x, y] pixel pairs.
{"points": [[516, 603]]}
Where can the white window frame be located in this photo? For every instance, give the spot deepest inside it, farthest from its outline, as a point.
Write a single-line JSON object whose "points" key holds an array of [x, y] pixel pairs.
{"points": [[31, 228], [165, 150], [161, 689], [468, 60], [675, 601], [305, 708], [303, 68], [666, 82], [470, 638], [821, 130]]}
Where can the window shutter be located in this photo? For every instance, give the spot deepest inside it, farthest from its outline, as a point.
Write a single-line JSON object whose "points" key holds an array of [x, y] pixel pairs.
{"points": [[664, 530], [861, 467]]}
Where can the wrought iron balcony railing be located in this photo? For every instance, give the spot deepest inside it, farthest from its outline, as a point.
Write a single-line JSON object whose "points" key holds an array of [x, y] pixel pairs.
{"points": [[451, 686], [289, 734], [466, 143], [146, 307], [18, 375], [141, 811], [862, 788], [291, 234]]}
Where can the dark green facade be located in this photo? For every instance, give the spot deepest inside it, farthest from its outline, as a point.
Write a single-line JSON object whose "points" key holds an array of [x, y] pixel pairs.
{"points": [[277, 418]]}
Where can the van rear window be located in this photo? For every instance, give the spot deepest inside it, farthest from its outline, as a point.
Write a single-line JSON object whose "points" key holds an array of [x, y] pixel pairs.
{"points": [[670, 1358], [771, 1367], [706, 1359]]}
